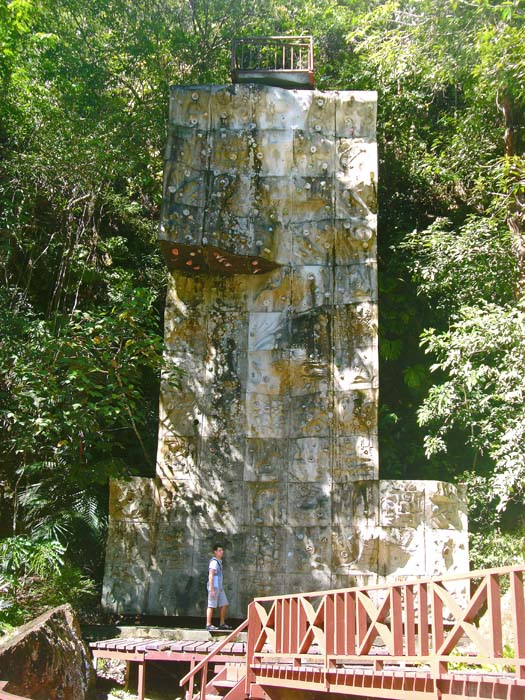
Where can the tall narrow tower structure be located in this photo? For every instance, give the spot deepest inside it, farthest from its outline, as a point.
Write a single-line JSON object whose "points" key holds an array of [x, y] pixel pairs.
{"points": [[270, 442]]}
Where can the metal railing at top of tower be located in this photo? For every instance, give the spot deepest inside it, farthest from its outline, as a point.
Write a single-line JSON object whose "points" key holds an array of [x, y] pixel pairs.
{"points": [[283, 60]]}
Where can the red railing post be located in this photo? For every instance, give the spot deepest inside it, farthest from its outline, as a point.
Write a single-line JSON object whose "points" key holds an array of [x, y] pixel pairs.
{"points": [[494, 612], [438, 631], [339, 622], [254, 630], [204, 680], [278, 626], [396, 619], [410, 620], [350, 618], [518, 618], [294, 631], [362, 623], [141, 683], [329, 629], [285, 625], [189, 692], [424, 632]]}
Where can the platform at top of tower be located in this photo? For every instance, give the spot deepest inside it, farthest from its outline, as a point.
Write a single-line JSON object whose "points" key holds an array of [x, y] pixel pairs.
{"points": [[281, 61]]}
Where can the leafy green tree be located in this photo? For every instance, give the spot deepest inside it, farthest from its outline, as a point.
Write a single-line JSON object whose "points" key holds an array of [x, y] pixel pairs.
{"points": [[483, 355]]}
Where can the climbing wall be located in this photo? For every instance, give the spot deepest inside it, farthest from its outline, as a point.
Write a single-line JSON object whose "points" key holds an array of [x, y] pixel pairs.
{"points": [[269, 442]]}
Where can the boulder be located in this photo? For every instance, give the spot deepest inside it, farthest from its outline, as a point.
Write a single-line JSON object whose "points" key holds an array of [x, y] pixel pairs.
{"points": [[46, 659]]}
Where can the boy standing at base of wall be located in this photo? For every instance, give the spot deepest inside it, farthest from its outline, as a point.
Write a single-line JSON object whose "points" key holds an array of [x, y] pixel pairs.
{"points": [[216, 595]]}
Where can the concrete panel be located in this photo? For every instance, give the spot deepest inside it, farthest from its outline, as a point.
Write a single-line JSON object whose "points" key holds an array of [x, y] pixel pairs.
{"points": [[355, 241], [312, 197], [309, 505], [355, 551], [355, 283], [178, 457], [309, 551], [313, 242], [267, 416], [355, 411], [356, 458], [356, 114], [271, 292], [281, 109], [265, 503], [230, 107], [355, 370], [445, 506], [313, 154], [268, 372], [312, 286], [402, 504], [310, 460], [191, 108], [310, 415], [321, 112], [402, 551], [264, 550], [446, 552], [309, 373], [266, 459], [356, 505]]}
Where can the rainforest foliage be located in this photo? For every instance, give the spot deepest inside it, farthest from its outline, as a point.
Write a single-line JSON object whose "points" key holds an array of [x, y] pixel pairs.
{"points": [[83, 116]]}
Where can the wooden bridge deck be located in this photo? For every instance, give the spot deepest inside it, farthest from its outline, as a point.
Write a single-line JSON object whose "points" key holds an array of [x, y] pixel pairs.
{"points": [[352, 678], [184, 650]]}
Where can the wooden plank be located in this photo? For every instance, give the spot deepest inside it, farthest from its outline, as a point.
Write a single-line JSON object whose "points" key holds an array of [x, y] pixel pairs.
{"points": [[152, 645], [131, 644], [190, 645], [102, 644], [200, 647], [112, 654]]}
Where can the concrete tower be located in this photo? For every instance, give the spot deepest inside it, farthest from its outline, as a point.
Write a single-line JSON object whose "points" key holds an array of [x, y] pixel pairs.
{"points": [[270, 443]]}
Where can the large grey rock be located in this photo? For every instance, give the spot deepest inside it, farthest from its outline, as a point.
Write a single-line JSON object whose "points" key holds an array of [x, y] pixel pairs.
{"points": [[46, 659]]}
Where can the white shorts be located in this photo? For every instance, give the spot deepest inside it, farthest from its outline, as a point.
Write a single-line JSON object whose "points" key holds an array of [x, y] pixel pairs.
{"points": [[219, 600]]}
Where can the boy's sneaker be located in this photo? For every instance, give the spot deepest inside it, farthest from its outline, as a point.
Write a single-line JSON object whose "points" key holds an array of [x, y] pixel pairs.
{"points": [[225, 626], [212, 628]]}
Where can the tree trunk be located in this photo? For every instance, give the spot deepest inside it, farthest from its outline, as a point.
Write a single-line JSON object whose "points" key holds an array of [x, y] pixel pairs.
{"points": [[514, 123]]}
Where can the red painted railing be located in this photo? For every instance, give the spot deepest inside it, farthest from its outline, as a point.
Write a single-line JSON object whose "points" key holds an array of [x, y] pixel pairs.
{"points": [[431, 626], [428, 622]]}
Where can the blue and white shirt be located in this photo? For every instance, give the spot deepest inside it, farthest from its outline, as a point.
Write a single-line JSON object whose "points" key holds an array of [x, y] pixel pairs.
{"points": [[216, 566]]}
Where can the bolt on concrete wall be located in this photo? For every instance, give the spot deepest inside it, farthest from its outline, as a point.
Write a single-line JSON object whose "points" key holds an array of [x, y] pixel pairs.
{"points": [[269, 228]]}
